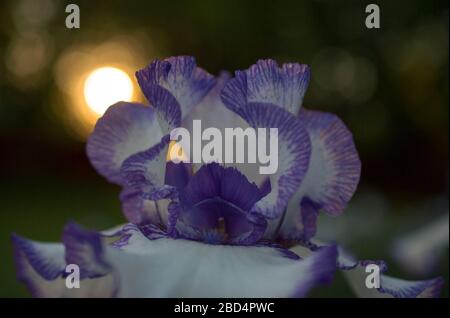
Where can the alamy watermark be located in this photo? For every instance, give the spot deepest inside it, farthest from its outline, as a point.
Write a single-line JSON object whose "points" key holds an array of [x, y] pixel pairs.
{"points": [[73, 276], [238, 145], [373, 18], [373, 279], [73, 17]]}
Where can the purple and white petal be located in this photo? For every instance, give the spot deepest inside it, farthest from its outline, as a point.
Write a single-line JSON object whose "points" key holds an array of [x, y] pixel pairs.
{"points": [[41, 266], [181, 77], [213, 113], [266, 82], [157, 268], [294, 150], [47, 259], [123, 130], [390, 287], [167, 108], [143, 211], [146, 171], [335, 168], [85, 249]]}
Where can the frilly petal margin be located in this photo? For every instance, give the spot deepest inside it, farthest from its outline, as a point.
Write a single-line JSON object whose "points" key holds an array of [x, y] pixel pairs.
{"points": [[146, 172], [124, 129], [158, 268], [390, 287], [181, 77], [330, 181], [41, 267], [293, 153], [266, 82], [167, 108], [335, 167]]}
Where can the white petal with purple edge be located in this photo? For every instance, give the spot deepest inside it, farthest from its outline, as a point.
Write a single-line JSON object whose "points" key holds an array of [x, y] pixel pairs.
{"points": [[123, 130], [181, 77], [166, 106], [390, 287], [40, 267], [213, 113], [265, 82], [335, 168], [146, 171], [293, 155]]}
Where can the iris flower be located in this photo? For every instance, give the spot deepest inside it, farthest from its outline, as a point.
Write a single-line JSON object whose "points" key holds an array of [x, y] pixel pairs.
{"points": [[213, 230]]}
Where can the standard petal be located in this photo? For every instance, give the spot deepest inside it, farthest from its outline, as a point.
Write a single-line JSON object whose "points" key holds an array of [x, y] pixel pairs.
{"points": [[334, 168], [167, 108], [180, 268], [40, 266], [213, 113], [266, 82], [181, 77], [355, 272], [294, 150], [123, 130]]}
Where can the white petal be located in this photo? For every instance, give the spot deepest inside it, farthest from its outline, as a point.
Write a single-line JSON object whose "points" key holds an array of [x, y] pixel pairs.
{"points": [[181, 268]]}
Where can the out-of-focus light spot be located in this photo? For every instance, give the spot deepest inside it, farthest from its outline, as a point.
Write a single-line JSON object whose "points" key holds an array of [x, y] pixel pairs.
{"points": [[33, 13], [106, 86], [26, 56], [341, 75], [85, 92]]}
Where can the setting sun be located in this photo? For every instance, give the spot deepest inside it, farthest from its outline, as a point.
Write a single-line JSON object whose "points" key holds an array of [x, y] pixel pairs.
{"points": [[105, 86]]}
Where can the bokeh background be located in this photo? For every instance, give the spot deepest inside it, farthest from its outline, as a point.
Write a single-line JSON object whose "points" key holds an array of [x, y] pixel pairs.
{"points": [[389, 85]]}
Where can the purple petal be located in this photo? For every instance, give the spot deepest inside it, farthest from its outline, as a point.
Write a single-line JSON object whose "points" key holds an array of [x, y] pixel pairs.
{"points": [[215, 207], [181, 77], [335, 168], [178, 174], [123, 130], [213, 180], [265, 82], [293, 155]]}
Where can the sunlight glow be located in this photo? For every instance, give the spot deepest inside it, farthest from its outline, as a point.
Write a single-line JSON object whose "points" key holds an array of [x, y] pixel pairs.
{"points": [[105, 86]]}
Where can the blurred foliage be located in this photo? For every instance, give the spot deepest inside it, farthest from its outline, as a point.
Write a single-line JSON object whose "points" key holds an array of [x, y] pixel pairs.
{"points": [[389, 85]]}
